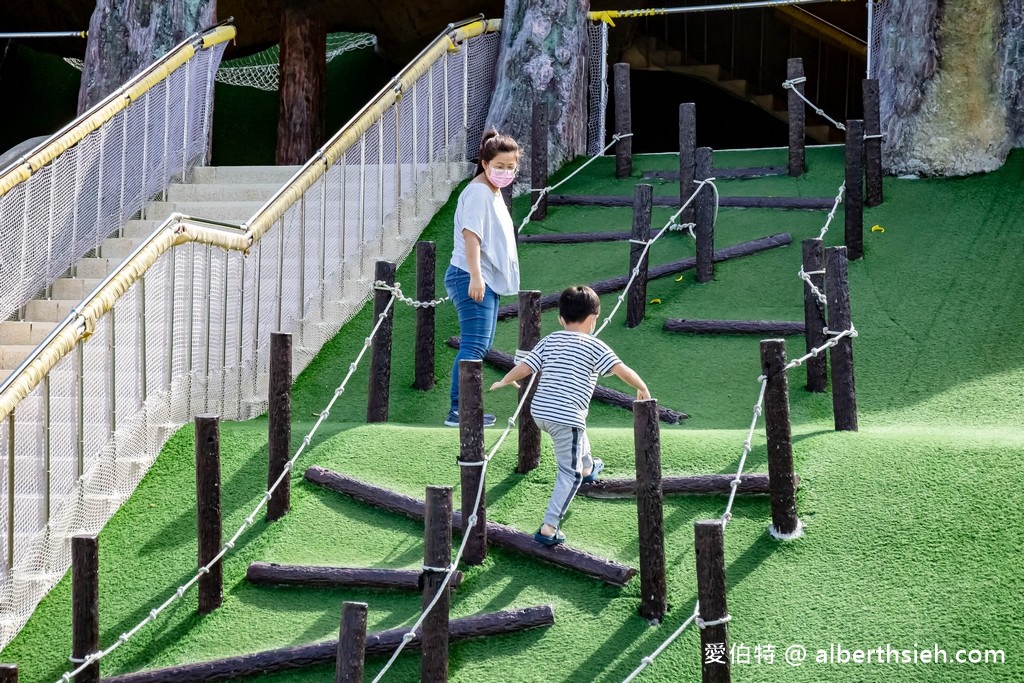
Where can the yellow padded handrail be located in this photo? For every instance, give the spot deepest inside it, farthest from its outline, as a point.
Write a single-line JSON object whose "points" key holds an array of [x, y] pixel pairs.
{"points": [[110, 106]]}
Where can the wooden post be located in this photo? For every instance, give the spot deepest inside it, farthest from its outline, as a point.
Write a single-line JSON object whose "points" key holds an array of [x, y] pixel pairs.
{"points": [[837, 289], [471, 450], [647, 450], [709, 541], [303, 65], [506, 195], [704, 215], [437, 555], [426, 286], [854, 207], [797, 119], [351, 643], [8, 673], [85, 604], [208, 509], [279, 423], [814, 314], [539, 160], [529, 335], [687, 159], [781, 478], [873, 144], [623, 121], [636, 299], [380, 359]]}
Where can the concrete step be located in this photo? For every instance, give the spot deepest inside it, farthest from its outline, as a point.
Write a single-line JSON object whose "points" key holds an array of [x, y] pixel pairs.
{"points": [[665, 57], [73, 287], [766, 102], [737, 86], [223, 192], [711, 72], [93, 267], [139, 228], [234, 212], [11, 356], [119, 247], [244, 174], [24, 332], [49, 310]]}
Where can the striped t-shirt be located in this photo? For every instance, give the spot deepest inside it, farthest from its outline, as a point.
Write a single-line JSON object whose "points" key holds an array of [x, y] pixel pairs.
{"points": [[569, 363]]}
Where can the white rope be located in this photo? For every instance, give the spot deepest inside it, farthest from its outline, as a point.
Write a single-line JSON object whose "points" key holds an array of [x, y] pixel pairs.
{"points": [[701, 624], [396, 291], [832, 213], [852, 332], [684, 227], [806, 277], [649, 659], [647, 245], [249, 521], [790, 85], [547, 190]]}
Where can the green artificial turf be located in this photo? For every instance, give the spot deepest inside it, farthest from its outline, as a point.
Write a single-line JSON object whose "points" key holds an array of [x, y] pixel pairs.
{"points": [[913, 524]]}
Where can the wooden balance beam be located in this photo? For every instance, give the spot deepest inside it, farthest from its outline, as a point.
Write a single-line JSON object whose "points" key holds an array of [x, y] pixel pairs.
{"points": [[505, 362], [325, 652], [561, 555], [797, 203], [731, 173], [575, 237], [614, 284], [696, 484], [273, 574], [767, 327]]}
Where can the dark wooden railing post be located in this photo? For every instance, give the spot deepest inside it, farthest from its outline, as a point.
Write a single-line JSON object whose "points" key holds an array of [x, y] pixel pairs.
{"points": [[279, 423], [781, 479], [9, 673], [85, 604], [426, 255], [872, 143], [704, 215], [208, 510], [437, 555], [539, 160], [854, 207], [623, 121], [647, 450], [837, 289], [687, 158], [380, 358], [529, 335], [814, 314], [636, 299], [471, 450], [351, 643], [709, 541], [797, 119]]}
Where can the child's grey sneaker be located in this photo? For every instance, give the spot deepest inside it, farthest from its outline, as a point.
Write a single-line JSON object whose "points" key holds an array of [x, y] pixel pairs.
{"points": [[453, 419], [598, 468]]}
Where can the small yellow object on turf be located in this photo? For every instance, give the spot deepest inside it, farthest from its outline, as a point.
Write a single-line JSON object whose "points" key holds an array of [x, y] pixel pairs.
{"points": [[655, 301], [877, 228], [679, 279]]}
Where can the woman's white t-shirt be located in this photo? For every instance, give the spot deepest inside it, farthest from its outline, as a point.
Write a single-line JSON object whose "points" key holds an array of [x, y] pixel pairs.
{"points": [[482, 211]]}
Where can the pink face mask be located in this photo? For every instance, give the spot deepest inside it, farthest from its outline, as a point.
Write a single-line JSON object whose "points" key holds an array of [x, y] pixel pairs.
{"points": [[501, 177]]}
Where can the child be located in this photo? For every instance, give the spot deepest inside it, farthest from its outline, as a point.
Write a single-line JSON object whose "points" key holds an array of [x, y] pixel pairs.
{"points": [[569, 362]]}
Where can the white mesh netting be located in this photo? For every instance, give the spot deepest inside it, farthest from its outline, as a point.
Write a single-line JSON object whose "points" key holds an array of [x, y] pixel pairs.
{"points": [[261, 69], [878, 25], [191, 336], [71, 205], [597, 85]]}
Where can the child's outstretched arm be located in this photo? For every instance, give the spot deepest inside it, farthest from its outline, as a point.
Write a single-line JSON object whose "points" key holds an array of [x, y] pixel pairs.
{"points": [[629, 376], [517, 373]]}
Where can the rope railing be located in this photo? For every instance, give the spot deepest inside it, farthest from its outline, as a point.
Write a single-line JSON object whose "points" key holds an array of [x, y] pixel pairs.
{"points": [[94, 657], [806, 276], [547, 190], [790, 84], [396, 291], [647, 245]]}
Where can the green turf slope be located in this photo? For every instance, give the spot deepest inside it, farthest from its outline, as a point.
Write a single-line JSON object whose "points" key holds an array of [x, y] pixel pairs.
{"points": [[913, 524]]}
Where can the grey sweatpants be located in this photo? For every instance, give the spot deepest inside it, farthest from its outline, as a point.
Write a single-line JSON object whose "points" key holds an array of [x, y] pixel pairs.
{"points": [[572, 452]]}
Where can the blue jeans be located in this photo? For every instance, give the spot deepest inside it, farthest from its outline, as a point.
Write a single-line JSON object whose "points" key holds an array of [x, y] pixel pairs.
{"points": [[477, 322]]}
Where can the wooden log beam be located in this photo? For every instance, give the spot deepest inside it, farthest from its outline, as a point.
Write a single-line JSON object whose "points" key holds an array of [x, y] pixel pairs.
{"points": [[576, 237], [690, 485], [777, 327], [723, 173], [561, 555], [614, 284], [505, 362], [273, 574], [795, 203], [325, 652]]}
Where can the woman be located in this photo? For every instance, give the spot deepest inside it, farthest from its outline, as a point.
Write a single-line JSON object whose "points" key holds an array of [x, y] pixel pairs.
{"points": [[484, 263]]}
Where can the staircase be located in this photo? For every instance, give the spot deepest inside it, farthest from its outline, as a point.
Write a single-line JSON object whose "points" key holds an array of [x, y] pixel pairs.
{"points": [[226, 193], [651, 54]]}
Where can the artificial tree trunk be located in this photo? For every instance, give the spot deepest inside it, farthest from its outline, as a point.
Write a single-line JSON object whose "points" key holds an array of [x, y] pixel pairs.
{"points": [[949, 84], [125, 36], [543, 57], [300, 121]]}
